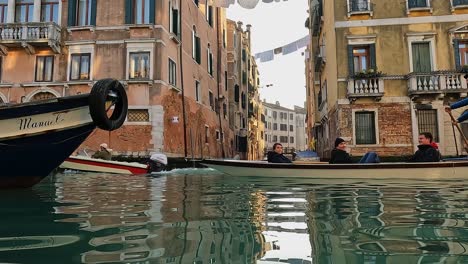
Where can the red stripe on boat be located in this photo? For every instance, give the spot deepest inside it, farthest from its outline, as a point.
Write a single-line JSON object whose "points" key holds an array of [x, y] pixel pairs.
{"points": [[133, 170]]}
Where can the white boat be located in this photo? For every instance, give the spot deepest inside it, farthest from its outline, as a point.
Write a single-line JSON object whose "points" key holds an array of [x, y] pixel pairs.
{"points": [[156, 163], [426, 170]]}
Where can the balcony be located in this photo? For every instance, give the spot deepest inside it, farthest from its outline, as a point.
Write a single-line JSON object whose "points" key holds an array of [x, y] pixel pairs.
{"points": [[436, 83], [368, 87], [30, 35]]}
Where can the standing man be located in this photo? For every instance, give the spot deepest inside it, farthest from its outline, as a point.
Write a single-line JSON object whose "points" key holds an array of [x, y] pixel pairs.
{"points": [[426, 151], [276, 156]]}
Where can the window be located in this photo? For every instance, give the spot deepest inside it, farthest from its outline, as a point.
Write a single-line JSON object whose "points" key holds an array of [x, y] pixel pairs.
{"points": [[207, 133], [283, 139], [218, 135], [3, 11], [225, 80], [244, 77], [283, 127], [44, 68], [244, 55], [463, 49], [211, 98], [417, 3], [291, 116], [243, 100], [225, 110], [460, 2], [49, 11], [361, 59], [261, 134], [359, 5], [209, 60], [421, 57], [139, 65], [197, 91], [141, 11], [172, 73], [209, 14], [80, 66], [174, 17], [196, 47], [291, 140], [275, 126], [291, 128], [275, 138], [1, 67], [275, 114], [138, 115], [365, 127], [24, 10], [83, 12], [427, 122], [195, 2], [236, 93]]}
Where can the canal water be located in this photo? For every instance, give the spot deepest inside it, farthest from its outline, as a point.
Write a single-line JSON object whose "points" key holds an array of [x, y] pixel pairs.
{"points": [[201, 216]]}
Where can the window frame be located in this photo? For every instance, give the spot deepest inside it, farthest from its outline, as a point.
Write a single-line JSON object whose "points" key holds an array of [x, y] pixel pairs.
{"points": [[29, 5], [149, 64], [171, 19], [54, 5], [463, 52], [376, 126], [89, 6], [3, 12], [144, 20], [81, 55], [172, 71], [198, 95], [44, 69], [137, 48], [359, 57]]}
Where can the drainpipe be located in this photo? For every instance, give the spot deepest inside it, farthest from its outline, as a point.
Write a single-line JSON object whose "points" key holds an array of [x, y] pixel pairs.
{"points": [[182, 79], [218, 67]]}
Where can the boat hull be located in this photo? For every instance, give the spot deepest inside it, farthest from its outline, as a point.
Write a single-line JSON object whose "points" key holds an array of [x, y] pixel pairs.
{"points": [[105, 166], [430, 170]]}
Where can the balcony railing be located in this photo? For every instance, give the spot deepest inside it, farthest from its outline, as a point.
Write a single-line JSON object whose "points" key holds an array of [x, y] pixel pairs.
{"points": [[32, 33], [367, 87], [437, 83]]}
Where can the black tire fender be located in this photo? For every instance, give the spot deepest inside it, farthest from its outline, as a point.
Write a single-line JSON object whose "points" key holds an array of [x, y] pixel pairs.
{"points": [[97, 104]]}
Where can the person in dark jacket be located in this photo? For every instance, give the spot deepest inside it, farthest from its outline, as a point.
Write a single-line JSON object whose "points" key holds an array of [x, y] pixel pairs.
{"points": [[426, 151], [276, 156], [340, 156]]}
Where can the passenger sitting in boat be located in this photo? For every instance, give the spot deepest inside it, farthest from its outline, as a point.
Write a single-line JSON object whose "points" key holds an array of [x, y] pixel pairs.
{"points": [[339, 154], [104, 152], [426, 152], [276, 156]]}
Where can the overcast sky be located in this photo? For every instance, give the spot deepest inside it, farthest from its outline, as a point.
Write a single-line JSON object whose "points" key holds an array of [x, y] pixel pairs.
{"points": [[275, 25]]}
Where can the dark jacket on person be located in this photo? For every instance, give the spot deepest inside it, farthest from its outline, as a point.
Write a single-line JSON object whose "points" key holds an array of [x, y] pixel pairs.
{"points": [[274, 157], [340, 156], [102, 154], [426, 153]]}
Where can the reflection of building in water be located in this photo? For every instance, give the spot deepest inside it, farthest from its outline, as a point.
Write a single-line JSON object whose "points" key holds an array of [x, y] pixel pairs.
{"points": [[370, 225]]}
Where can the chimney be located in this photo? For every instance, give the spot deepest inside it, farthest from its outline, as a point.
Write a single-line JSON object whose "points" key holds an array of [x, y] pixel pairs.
{"points": [[277, 103], [239, 25]]}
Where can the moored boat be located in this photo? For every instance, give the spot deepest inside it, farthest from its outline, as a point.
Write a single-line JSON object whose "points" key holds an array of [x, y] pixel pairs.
{"points": [[36, 137], [82, 163], [426, 170]]}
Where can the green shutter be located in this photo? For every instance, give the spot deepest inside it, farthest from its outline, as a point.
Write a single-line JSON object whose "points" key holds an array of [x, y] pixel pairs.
{"points": [[456, 49], [93, 12], [71, 13], [152, 12], [373, 64], [350, 60], [128, 12]]}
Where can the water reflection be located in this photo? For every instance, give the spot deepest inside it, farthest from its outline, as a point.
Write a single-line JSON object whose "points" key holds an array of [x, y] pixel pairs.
{"points": [[202, 217]]}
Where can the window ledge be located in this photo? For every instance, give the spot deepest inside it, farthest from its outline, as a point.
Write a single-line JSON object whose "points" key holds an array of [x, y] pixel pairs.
{"points": [[148, 81], [416, 9], [6, 85], [41, 84], [174, 38], [88, 82], [81, 28], [175, 88], [366, 12], [130, 26], [459, 7]]}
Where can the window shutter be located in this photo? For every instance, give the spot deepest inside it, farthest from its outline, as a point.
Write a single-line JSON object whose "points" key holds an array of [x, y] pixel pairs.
{"points": [[373, 64], [128, 12], [350, 60], [236, 93], [211, 63], [456, 49], [71, 13], [152, 12], [93, 12]]}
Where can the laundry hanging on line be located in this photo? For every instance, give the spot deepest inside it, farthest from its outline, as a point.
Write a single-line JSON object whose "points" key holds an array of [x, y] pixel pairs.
{"points": [[286, 49]]}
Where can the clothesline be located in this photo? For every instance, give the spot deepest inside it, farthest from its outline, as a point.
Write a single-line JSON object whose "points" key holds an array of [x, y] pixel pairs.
{"points": [[294, 46]]}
